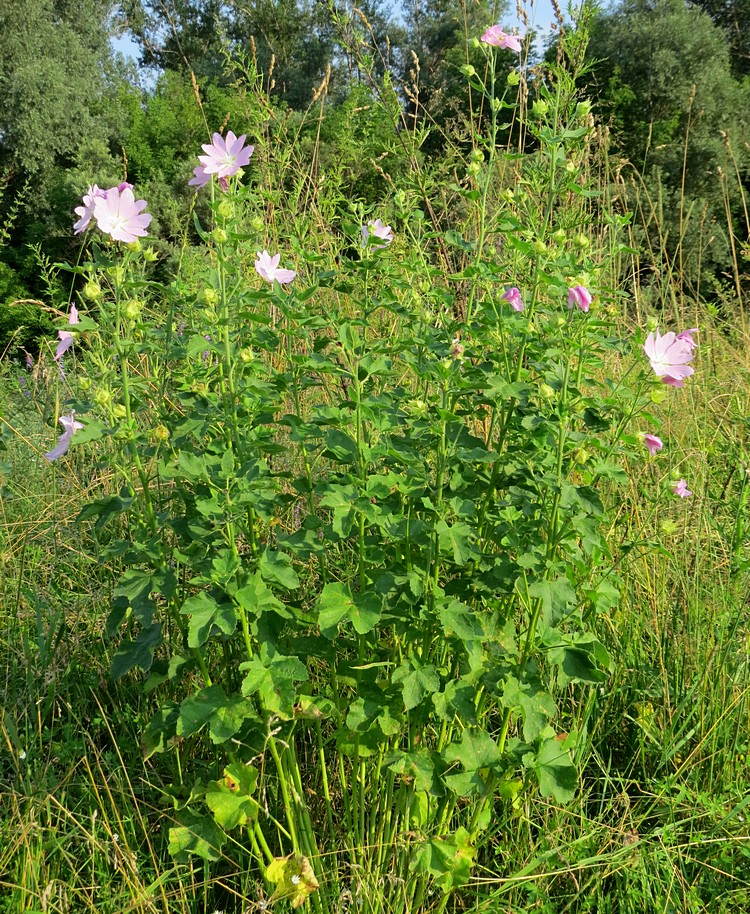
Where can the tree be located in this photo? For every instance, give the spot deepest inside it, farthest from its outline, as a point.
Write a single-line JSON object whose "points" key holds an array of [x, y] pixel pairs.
{"points": [[662, 70], [54, 59]]}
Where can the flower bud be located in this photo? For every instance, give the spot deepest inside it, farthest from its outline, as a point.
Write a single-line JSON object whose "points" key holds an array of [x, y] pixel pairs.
{"points": [[84, 383], [570, 167], [539, 108], [583, 109], [161, 433], [559, 321], [226, 209], [539, 247], [582, 241], [514, 78], [474, 43], [150, 255], [133, 308], [468, 70], [559, 237], [219, 235], [669, 527], [135, 245], [118, 411], [652, 323], [92, 290], [547, 392], [102, 397], [659, 394], [257, 224], [210, 296], [496, 104], [473, 169], [582, 456], [247, 355]]}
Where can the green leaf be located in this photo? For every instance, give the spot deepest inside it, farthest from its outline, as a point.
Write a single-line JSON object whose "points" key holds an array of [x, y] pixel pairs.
{"points": [[448, 859], [273, 679], [231, 799], [205, 613], [336, 603], [200, 836], [416, 681], [276, 567], [256, 599], [161, 730], [455, 539], [138, 653], [558, 777], [198, 709], [476, 753]]}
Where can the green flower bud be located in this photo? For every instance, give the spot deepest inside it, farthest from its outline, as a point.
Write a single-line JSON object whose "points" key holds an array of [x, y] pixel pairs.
{"points": [[468, 70], [669, 527], [102, 397], [473, 169], [84, 383], [226, 209], [539, 108], [210, 296], [133, 308], [219, 235], [92, 290], [257, 224], [547, 392], [539, 247], [119, 411], [247, 355], [659, 394], [514, 78], [559, 237], [135, 245], [150, 255], [582, 241], [161, 433]]}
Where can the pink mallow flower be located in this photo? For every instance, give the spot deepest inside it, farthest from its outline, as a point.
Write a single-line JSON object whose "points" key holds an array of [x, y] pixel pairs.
{"points": [[496, 37], [86, 212], [71, 426], [513, 297], [119, 215], [687, 337], [201, 178], [376, 229], [579, 295], [669, 356], [66, 337], [680, 488], [267, 267], [653, 443], [224, 157]]}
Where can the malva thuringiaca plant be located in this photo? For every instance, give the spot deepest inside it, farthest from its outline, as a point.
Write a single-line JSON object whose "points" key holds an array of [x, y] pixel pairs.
{"points": [[363, 558]]}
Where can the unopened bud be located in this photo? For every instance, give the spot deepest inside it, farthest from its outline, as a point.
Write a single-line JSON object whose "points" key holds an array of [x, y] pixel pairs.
{"points": [[161, 433], [150, 255], [133, 308], [582, 241], [102, 397], [210, 296], [547, 392], [226, 209], [468, 70], [247, 354], [559, 237], [91, 291], [539, 108], [219, 235]]}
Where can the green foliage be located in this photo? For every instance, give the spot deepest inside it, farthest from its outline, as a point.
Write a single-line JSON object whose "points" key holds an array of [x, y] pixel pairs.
{"points": [[664, 73]]}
